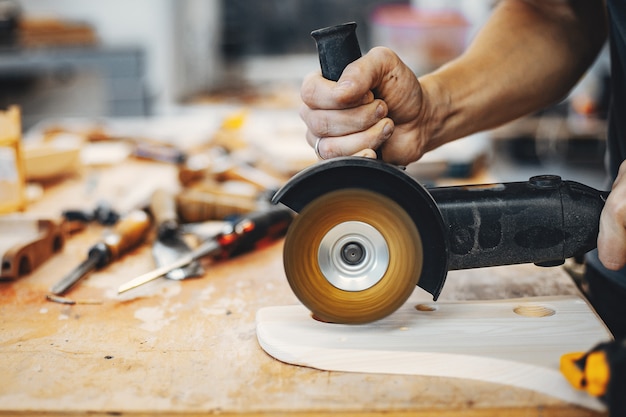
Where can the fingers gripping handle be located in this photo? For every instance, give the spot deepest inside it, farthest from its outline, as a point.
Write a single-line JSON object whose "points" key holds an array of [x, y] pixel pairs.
{"points": [[337, 46]]}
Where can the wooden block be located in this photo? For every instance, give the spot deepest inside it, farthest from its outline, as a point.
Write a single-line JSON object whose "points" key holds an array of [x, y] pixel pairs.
{"points": [[514, 342], [12, 182]]}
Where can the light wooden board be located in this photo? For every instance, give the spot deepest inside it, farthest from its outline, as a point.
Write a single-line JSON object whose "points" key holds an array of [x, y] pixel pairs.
{"points": [[515, 342]]}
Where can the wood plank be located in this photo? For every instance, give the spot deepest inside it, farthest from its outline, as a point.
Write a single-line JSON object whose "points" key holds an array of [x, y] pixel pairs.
{"points": [[512, 342]]}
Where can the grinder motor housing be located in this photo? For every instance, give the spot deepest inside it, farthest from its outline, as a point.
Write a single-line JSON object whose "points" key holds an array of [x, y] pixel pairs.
{"points": [[544, 220]]}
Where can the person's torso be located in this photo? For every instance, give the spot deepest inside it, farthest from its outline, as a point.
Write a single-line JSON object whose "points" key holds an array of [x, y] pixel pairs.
{"points": [[616, 140]]}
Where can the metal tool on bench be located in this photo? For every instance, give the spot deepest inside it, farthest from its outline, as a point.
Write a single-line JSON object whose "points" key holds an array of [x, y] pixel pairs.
{"points": [[127, 234], [103, 213], [240, 236], [169, 245], [367, 233]]}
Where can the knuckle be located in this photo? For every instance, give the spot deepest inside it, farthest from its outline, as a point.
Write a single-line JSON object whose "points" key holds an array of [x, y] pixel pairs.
{"points": [[319, 125], [367, 116], [384, 54], [307, 92], [616, 208], [309, 89]]}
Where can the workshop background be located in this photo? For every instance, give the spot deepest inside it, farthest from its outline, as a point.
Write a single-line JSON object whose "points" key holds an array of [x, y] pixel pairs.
{"points": [[72, 58], [148, 134]]}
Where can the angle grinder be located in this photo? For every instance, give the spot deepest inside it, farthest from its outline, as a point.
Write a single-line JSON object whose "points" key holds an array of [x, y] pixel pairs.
{"points": [[367, 233]]}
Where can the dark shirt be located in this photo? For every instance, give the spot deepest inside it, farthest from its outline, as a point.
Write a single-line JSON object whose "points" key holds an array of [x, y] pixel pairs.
{"points": [[616, 139]]}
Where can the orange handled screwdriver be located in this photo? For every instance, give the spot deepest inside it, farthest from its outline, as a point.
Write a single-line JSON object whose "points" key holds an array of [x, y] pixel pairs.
{"points": [[127, 233]]}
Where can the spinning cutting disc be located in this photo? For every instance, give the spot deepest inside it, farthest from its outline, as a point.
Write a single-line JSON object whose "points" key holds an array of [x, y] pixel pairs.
{"points": [[352, 256]]}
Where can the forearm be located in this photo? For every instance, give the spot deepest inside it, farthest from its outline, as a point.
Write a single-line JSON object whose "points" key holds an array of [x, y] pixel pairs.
{"points": [[526, 57]]}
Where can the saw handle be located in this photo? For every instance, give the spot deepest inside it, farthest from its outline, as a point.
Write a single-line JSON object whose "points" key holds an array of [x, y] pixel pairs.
{"points": [[542, 221], [337, 46]]}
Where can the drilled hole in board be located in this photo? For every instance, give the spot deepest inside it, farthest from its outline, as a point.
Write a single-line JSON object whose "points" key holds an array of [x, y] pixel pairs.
{"points": [[534, 311], [426, 307]]}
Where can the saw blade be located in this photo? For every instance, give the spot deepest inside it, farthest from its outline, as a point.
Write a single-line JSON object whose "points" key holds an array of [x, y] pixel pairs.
{"points": [[352, 256]]}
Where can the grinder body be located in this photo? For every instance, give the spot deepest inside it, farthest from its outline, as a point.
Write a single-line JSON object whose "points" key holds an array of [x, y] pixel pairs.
{"points": [[334, 266], [544, 220]]}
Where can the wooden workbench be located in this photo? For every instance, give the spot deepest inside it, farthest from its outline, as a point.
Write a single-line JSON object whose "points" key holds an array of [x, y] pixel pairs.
{"points": [[190, 347]]}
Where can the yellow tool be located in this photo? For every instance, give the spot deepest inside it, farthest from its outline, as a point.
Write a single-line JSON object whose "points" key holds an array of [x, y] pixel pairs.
{"points": [[601, 372], [367, 233]]}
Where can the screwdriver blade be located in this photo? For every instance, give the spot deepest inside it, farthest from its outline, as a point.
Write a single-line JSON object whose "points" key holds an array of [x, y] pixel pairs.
{"points": [[154, 274], [206, 249], [75, 275]]}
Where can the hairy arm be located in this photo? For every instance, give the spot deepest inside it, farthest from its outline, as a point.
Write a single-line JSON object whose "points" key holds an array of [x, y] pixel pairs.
{"points": [[528, 55]]}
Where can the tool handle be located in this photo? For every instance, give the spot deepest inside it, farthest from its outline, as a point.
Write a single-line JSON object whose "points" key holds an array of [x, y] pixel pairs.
{"points": [[127, 233], [195, 205], [163, 208], [542, 221], [258, 227], [337, 46], [249, 174]]}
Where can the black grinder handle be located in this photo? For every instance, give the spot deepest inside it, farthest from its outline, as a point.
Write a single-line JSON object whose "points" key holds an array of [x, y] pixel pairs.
{"points": [[543, 221], [337, 46]]}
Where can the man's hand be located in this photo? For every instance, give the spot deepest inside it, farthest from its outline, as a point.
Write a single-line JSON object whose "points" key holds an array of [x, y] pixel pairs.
{"points": [[612, 236], [377, 103]]}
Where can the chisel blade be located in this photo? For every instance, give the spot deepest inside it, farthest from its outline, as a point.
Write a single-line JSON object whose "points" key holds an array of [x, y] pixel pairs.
{"points": [[75, 275]]}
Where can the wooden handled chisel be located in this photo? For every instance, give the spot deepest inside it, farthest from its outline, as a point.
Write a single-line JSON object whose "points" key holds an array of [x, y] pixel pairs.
{"points": [[128, 233]]}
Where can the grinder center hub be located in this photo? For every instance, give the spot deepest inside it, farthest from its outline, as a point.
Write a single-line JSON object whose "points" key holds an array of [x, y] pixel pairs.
{"points": [[352, 253], [353, 256]]}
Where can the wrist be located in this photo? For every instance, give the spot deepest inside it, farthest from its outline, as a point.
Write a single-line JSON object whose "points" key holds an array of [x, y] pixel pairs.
{"points": [[437, 114]]}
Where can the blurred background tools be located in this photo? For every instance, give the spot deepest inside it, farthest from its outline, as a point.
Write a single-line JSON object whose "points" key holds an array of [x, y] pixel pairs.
{"points": [[240, 236], [26, 242], [601, 372], [169, 245], [127, 234], [218, 163], [103, 213]]}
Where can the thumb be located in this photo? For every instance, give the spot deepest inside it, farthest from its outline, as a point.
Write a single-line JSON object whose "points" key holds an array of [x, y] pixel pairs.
{"points": [[612, 234], [366, 153]]}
